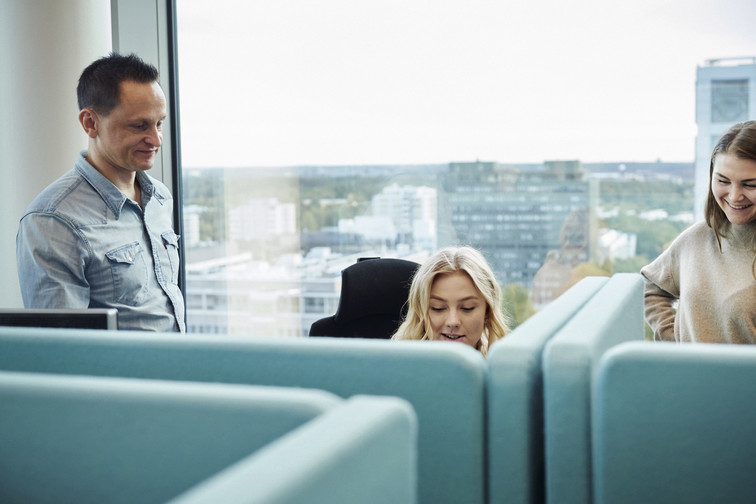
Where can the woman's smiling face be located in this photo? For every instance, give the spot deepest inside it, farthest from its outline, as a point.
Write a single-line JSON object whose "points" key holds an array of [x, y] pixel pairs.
{"points": [[733, 184], [457, 310]]}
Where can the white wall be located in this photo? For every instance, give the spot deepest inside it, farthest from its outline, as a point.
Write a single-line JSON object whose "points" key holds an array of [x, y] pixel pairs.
{"points": [[44, 46]]}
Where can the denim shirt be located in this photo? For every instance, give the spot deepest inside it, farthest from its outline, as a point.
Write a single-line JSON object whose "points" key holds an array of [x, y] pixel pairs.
{"points": [[83, 244]]}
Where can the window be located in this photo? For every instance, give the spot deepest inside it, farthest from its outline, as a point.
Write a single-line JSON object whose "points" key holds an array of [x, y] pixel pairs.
{"points": [[729, 100], [316, 133]]}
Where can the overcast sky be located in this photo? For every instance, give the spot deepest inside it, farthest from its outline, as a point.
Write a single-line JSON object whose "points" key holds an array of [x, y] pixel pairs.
{"points": [[287, 82]]}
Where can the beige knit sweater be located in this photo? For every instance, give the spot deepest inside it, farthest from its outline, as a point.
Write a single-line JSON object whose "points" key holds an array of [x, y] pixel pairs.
{"points": [[695, 292]]}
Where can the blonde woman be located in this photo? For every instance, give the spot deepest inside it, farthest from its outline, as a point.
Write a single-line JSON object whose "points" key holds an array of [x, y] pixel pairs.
{"points": [[454, 296]]}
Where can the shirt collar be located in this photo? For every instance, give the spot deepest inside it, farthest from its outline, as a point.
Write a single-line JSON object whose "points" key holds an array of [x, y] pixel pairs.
{"points": [[150, 190], [113, 196]]}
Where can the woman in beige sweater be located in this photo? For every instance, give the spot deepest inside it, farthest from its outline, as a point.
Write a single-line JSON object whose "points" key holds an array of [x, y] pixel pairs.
{"points": [[703, 287]]}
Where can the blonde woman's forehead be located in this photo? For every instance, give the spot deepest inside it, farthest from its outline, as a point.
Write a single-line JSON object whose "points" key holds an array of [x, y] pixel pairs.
{"points": [[455, 286]]}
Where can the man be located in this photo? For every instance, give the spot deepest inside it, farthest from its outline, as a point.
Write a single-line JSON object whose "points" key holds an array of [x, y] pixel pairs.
{"points": [[101, 236]]}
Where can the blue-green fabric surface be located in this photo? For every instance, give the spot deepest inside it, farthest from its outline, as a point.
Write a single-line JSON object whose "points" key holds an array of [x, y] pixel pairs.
{"points": [[515, 399], [363, 451], [570, 360], [90, 439], [675, 423], [444, 383]]}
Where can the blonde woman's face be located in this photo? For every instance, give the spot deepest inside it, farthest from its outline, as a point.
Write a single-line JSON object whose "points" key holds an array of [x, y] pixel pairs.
{"points": [[457, 310]]}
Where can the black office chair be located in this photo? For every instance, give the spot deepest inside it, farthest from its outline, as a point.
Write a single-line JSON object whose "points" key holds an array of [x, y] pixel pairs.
{"points": [[374, 293]]}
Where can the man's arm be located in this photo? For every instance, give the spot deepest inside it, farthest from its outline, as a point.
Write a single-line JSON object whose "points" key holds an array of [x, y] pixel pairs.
{"points": [[51, 259]]}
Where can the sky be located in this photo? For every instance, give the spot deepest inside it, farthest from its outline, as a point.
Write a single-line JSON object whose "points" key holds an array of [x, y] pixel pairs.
{"points": [[344, 82]]}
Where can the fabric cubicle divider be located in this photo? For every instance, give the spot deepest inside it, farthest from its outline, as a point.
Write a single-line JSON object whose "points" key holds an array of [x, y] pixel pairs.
{"points": [[118, 440], [675, 423], [356, 452], [444, 383], [515, 399], [570, 360]]}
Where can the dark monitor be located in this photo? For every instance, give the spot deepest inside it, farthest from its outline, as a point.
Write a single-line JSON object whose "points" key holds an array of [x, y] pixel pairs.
{"points": [[89, 318]]}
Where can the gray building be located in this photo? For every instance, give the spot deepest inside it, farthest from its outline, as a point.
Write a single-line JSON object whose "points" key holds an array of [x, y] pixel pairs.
{"points": [[520, 217], [725, 95]]}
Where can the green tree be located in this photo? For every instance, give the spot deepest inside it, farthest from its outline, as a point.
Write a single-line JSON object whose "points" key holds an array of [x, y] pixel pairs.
{"points": [[631, 264], [309, 221], [516, 304], [653, 237]]}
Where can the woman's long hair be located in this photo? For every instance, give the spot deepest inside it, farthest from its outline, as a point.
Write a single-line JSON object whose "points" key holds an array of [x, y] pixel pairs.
{"points": [[416, 324], [739, 141]]}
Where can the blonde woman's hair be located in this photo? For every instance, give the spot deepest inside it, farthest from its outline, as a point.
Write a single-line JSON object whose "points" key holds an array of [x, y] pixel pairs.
{"points": [[416, 324]]}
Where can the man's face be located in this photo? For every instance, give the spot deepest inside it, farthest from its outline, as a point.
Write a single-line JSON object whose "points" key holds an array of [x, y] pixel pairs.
{"points": [[128, 138]]}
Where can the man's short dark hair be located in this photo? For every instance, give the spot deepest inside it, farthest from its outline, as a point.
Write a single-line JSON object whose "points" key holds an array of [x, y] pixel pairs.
{"points": [[99, 83]]}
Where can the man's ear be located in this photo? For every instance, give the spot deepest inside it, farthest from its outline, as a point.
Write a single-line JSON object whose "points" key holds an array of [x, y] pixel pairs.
{"points": [[89, 121]]}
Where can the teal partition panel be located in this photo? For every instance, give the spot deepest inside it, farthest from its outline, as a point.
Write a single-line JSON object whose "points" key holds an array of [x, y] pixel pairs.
{"points": [[93, 440], [515, 399], [362, 452], [445, 383], [675, 423], [570, 360]]}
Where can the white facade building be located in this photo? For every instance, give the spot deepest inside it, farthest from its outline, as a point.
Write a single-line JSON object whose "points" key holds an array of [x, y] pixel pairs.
{"points": [[412, 211], [261, 218], [613, 245]]}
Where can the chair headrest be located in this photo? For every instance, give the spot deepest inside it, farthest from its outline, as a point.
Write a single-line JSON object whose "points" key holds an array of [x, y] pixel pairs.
{"points": [[374, 287]]}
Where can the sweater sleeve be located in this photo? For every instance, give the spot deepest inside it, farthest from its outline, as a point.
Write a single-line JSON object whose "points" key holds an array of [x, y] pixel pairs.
{"points": [[660, 311], [661, 295]]}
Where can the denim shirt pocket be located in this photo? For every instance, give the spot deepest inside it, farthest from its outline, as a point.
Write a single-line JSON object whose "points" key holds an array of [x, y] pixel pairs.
{"points": [[171, 242], [130, 274]]}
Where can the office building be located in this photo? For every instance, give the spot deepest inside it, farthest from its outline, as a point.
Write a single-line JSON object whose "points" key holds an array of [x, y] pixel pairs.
{"points": [[725, 95], [517, 217]]}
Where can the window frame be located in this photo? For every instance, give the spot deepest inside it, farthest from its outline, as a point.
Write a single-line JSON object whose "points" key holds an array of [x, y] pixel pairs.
{"points": [[148, 28]]}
